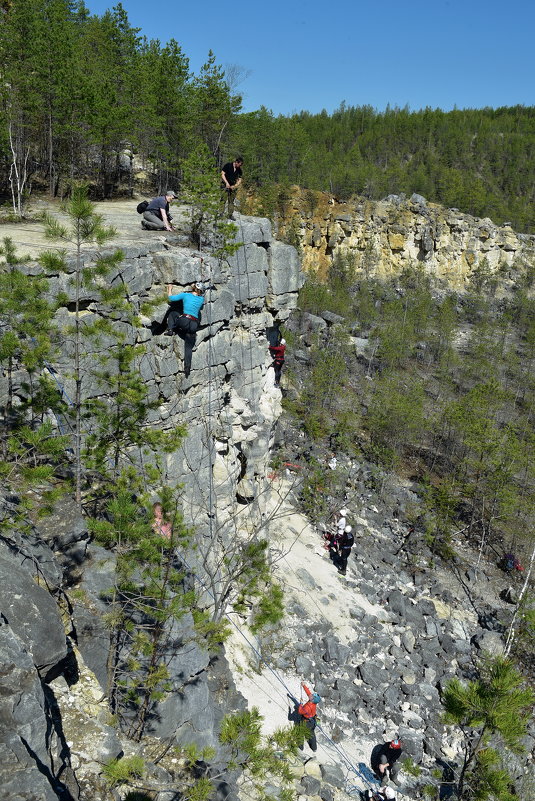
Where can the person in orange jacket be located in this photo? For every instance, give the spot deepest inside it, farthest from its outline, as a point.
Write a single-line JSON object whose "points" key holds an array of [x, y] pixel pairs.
{"points": [[307, 714]]}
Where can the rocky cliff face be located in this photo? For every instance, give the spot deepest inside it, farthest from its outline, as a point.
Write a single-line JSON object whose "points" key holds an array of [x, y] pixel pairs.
{"points": [[55, 725], [381, 238]]}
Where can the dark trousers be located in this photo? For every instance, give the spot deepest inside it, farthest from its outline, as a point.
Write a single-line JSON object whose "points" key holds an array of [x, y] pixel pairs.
{"points": [[228, 197], [393, 770], [153, 222], [310, 723], [187, 329], [277, 366], [342, 558]]}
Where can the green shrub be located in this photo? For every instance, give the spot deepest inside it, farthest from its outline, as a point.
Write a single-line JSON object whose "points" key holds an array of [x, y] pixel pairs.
{"points": [[122, 770]]}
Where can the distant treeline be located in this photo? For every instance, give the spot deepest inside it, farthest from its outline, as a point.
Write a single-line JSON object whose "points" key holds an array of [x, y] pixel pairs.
{"points": [[77, 89], [480, 161]]}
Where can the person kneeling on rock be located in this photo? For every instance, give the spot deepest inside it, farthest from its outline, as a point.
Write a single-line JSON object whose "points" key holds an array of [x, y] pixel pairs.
{"points": [[185, 323], [306, 713], [384, 758]]}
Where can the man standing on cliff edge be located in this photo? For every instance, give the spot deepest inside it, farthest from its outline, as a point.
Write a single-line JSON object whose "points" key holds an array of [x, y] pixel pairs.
{"points": [[231, 176]]}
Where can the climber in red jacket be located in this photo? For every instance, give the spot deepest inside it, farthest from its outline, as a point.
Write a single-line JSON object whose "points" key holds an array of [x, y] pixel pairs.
{"points": [[277, 353], [307, 715]]}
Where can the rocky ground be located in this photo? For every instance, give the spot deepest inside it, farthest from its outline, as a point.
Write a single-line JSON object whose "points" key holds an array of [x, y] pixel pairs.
{"points": [[30, 239], [378, 644]]}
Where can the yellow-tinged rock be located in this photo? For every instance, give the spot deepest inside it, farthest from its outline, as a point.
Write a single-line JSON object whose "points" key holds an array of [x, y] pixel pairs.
{"points": [[446, 612], [297, 769], [396, 241], [469, 257]]}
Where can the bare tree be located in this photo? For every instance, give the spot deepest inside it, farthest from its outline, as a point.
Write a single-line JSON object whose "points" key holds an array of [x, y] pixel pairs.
{"points": [[18, 171]]}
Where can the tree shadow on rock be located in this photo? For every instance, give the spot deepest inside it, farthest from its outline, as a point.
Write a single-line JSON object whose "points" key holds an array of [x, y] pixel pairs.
{"points": [[448, 786]]}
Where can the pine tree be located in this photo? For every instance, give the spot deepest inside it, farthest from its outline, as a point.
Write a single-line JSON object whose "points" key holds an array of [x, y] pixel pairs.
{"points": [[202, 193], [26, 345], [148, 595], [85, 227], [261, 758], [493, 708]]}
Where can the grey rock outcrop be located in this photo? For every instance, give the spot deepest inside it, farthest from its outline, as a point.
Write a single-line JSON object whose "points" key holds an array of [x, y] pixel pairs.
{"points": [[32, 614], [25, 766], [229, 407]]}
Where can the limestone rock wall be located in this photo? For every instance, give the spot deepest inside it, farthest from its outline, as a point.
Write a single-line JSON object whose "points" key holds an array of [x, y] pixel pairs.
{"points": [[54, 656], [228, 403], [384, 237]]}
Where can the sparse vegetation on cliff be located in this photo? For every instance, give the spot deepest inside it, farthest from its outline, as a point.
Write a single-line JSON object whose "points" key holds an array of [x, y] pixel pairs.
{"points": [[440, 388]]}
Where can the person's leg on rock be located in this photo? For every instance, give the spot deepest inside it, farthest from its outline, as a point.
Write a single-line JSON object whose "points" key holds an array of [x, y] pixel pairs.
{"points": [[151, 222]]}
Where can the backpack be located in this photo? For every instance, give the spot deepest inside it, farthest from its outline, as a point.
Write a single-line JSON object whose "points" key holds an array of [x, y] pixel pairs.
{"points": [[141, 207], [508, 561], [347, 540]]}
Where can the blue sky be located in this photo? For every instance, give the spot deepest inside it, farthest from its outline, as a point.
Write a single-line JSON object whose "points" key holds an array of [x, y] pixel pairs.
{"points": [[313, 54]]}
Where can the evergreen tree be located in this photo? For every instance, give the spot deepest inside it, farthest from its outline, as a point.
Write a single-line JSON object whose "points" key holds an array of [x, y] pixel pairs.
{"points": [[28, 440], [261, 758], [491, 709], [212, 106], [148, 595], [85, 227]]}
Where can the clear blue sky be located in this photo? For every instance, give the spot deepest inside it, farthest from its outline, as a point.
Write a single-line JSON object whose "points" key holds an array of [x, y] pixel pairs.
{"points": [[313, 54]]}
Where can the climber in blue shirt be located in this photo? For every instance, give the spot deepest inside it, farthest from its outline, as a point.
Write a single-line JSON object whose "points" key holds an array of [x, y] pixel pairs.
{"points": [[185, 322]]}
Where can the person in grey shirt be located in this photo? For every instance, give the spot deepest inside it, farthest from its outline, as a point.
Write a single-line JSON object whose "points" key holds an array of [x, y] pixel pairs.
{"points": [[156, 216]]}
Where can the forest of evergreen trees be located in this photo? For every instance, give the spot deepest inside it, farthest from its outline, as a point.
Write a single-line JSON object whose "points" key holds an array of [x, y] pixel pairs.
{"points": [[77, 89], [481, 161]]}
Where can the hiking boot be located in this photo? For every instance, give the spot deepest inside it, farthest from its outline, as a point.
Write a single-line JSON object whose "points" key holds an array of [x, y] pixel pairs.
{"points": [[168, 333]]}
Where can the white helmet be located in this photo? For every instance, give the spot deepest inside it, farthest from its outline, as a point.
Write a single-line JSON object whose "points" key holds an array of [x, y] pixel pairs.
{"points": [[343, 512], [348, 529], [389, 793]]}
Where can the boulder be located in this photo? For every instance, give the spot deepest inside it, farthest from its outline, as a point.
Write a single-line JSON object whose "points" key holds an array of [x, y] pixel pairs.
{"points": [[331, 318], [304, 665], [489, 642], [335, 651], [397, 603], [373, 674], [333, 774], [408, 640], [327, 793], [25, 765], [33, 616], [310, 785]]}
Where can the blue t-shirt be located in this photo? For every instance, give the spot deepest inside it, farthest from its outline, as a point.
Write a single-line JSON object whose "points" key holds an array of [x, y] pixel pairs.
{"points": [[191, 304]]}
